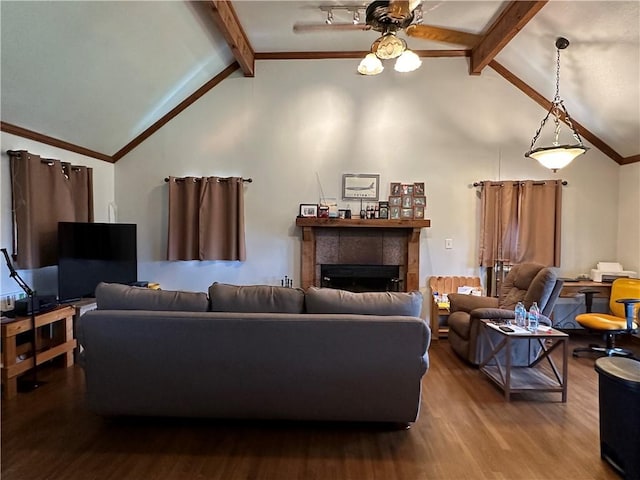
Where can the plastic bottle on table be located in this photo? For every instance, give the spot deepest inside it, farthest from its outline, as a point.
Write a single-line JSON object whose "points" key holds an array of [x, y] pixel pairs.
{"points": [[521, 315], [534, 318]]}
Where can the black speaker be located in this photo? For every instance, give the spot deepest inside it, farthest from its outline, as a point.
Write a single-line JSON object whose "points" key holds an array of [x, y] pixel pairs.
{"points": [[41, 304]]}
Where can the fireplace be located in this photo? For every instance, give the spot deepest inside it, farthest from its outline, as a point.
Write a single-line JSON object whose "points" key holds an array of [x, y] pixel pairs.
{"points": [[365, 243], [361, 278]]}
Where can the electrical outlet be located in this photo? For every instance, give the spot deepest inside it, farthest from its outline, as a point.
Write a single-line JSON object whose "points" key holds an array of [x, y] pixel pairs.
{"points": [[448, 243]]}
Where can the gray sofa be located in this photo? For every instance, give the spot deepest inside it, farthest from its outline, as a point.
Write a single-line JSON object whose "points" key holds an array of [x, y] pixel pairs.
{"points": [[255, 352]]}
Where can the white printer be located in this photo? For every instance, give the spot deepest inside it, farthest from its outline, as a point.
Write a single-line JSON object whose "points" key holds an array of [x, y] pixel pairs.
{"points": [[608, 271]]}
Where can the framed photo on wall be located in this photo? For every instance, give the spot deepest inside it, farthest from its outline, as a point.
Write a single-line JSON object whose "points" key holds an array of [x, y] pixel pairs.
{"points": [[407, 201], [396, 189], [362, 186], [394, 213], [418, 213], [406, 214], [308, 210], [418, 188]]}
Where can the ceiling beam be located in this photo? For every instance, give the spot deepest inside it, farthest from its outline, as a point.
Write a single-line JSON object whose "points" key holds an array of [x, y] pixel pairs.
{"points": [[546, 104], [225, 18], [509, 23], [353, 54], [631, 159], [54, 142]]}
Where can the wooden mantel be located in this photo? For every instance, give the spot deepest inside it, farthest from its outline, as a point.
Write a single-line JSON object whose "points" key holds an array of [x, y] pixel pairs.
{"points": [[309, 226]]}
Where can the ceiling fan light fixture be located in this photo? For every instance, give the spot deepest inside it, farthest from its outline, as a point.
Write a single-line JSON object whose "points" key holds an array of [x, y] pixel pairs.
{"points": [[370, 65], [557, 156], [388, 46], [407, 62]]}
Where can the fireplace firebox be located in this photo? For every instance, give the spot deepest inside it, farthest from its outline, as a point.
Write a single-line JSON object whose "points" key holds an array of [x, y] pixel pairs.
{"points": [[361, 278]]}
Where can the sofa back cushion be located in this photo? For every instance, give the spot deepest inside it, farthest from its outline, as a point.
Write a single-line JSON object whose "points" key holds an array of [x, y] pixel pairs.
{"points": [[255, 299], [113, 296], [331, 300]]}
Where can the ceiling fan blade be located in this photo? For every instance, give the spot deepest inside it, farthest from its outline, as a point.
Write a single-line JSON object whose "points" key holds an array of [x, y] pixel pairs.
{"points": [[399, 8], [318, 27], [439, 34], [404, 7]]}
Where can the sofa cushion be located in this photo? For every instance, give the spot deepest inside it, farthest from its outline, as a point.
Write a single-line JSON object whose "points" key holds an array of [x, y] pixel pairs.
{"points": [[113, 296], [331, 300], [255, 299]]}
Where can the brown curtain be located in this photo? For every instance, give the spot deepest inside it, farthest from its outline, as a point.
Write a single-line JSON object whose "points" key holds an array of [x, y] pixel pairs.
{"points": [[498, 235], [520, 222], [206, 219], [45, 192]]}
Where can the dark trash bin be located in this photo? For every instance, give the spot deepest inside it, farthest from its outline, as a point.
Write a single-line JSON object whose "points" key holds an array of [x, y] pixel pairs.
{"points": [[619, 394]]}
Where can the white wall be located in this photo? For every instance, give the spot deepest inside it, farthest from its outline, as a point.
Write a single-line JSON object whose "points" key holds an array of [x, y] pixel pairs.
{"points": [[44, 280], [629, 217], [299, 120]]}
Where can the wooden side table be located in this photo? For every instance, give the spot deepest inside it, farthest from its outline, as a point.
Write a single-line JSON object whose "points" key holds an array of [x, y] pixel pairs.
{"points": [[61, 343], [521, 379]]}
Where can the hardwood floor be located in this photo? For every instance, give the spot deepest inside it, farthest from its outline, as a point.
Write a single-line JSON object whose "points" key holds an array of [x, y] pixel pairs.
{"points": [[465, 431]]}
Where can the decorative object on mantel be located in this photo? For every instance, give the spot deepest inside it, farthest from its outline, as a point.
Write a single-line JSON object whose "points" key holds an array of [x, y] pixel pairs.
{"points": [[308, 210], [557, 156], [407, 200]]}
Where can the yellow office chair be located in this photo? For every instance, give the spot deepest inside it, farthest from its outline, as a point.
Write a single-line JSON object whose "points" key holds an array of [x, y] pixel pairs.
{"points": [[624, 304]]}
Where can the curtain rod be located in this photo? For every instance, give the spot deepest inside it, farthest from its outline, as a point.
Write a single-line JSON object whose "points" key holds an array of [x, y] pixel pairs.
{"points": [[480, 184], [248, 180], [46, 161]]}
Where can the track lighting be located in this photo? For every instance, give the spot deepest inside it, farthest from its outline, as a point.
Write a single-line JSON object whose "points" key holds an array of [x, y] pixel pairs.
{"points": [[329, 19]]}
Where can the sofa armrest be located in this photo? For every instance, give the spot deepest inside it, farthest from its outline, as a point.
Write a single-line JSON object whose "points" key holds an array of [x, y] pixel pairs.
{"points": [[466, 303]]}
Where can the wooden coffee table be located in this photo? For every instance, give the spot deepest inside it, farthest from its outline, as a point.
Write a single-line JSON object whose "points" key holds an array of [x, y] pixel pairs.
{"points": [[532, 377]]}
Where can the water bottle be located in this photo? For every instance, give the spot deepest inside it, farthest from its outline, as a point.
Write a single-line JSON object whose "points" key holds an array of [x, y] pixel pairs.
{"points": [[521, 314], [534, 317]]}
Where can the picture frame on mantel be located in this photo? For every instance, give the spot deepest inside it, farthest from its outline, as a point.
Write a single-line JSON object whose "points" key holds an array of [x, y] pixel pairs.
{"points": [[361, 186], [308, 210]]}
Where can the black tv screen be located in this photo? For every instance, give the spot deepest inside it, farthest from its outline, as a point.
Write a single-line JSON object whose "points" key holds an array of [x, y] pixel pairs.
{"points": [[90, 253]]}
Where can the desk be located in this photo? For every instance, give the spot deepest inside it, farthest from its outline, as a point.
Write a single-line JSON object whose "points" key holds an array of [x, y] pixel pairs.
{"points": [[527, 378], [572, 289], [60, 343]]}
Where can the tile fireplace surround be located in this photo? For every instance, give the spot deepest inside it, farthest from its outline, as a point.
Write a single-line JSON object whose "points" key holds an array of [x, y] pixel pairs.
{"points": [[361, 241]]}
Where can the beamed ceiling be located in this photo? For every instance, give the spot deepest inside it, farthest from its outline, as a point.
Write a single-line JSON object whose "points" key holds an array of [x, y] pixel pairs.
{"points": [[98, 78]]}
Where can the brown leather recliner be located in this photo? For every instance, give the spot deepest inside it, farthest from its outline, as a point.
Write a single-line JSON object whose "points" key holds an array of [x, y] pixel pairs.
{"points": [[526, 282]]}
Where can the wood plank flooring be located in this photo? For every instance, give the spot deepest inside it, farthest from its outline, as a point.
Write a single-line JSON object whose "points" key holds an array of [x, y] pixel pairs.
{"points": [[465, 431]]}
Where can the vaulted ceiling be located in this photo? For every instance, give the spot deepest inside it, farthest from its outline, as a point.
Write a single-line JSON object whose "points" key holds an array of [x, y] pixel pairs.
{"points": [[100, 77]]}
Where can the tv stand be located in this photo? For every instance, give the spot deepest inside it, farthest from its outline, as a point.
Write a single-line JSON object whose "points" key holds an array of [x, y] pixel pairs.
{"points": [[62, 343]]}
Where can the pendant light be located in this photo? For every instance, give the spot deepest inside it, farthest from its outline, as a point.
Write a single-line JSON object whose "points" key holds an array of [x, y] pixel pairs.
{"points": [[557, 156]]}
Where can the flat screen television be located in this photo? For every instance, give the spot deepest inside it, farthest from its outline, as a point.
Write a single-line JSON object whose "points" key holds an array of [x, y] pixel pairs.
{"points": [[90, 253]]}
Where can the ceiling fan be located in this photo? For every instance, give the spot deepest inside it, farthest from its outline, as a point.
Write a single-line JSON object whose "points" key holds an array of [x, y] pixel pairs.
{"points": [[390, 17]]}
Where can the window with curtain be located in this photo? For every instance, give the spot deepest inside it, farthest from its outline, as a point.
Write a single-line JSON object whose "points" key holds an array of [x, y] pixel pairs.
{"points": [[45, 192], [520, 222], [206, 219]]}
